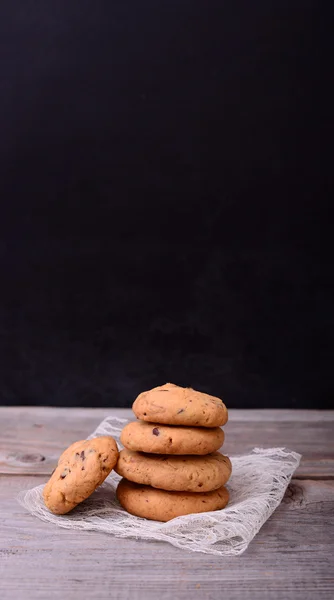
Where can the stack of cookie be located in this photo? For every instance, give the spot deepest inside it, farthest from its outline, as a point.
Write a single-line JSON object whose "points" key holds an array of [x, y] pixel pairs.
{"points": [[170, 465]]}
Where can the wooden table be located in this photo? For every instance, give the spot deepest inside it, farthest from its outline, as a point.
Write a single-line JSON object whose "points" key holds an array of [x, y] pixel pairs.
{"points": [[291, 557]]}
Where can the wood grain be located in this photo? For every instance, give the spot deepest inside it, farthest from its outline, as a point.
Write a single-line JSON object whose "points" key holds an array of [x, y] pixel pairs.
{"points": [[290, 558], [31, 439]]}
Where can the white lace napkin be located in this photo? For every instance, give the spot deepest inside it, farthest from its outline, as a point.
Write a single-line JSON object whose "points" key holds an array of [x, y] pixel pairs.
{"points": [[257, 486]]}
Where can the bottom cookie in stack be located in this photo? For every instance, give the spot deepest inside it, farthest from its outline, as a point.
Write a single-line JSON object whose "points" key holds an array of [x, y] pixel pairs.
{"points": [[161, 505], [162, 487]]}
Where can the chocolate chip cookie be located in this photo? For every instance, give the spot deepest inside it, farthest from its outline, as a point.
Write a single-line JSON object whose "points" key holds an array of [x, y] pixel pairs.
{"points": [[167, 439], [81, 469], [160, 505], [174, 405], [177, 473]]}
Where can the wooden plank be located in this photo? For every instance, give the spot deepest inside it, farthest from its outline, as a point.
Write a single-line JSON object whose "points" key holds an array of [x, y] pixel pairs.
{"points": [[291, 557], [32, 438], [275, 414]]}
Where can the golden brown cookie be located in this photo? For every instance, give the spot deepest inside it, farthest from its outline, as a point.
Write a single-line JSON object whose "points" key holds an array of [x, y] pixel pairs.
{"points": [[160, 505], [167, 439], [178, 473], [81, 469], [174, 405]]}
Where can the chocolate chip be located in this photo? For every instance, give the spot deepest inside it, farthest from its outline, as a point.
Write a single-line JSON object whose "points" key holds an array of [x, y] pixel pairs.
{"points": [[82, 455], [155, 431], [200, 485], [181, 410], [63, 475], [82, 468], [144, 415], [77, 454]]}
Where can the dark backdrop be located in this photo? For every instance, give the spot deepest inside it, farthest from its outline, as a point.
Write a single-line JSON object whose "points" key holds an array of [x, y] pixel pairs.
{"points": [[164, 201]]}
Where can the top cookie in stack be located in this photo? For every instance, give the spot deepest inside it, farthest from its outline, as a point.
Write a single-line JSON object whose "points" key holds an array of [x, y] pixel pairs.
{"points": [[174, 405], [170, 463]]}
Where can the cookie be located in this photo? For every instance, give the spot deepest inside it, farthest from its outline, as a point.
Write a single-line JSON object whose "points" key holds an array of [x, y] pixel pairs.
{"points": [[177, 473], [81, 469], [174, 405], [161, 505], [167, 439]]}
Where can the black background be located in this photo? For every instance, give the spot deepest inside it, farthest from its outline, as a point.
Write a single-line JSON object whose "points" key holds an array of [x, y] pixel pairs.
{"points": [[165, 186]]}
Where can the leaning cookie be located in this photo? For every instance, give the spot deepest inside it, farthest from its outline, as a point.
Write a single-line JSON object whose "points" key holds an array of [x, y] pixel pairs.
{"points": [[81, 469], [160, 505], [177, 473], [174, 405], [167, 439]]}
